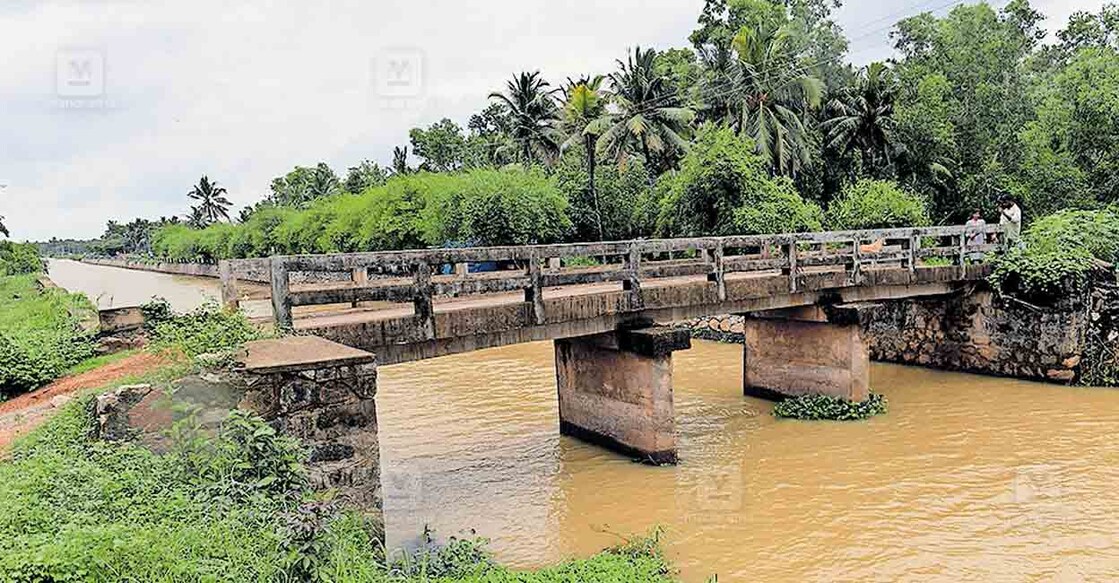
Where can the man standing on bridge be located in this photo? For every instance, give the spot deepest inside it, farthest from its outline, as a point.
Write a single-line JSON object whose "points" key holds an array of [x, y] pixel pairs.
{"points": [[1010, 217]]}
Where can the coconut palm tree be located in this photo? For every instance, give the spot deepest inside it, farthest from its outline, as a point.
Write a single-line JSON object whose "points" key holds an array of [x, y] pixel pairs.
{"points": [[400, 161], [645, 114], [861, 116], [533, 117], [583, 105], [212, 202], [772, 91], [196, 219], [3, 228]]}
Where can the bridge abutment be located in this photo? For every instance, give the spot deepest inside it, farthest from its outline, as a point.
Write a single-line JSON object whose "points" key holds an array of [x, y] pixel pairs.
{"points": [[615, 390], [788, 353]]}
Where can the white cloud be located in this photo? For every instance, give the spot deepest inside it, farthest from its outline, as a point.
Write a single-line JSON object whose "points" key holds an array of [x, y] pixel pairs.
{"points": [[242, 91]]}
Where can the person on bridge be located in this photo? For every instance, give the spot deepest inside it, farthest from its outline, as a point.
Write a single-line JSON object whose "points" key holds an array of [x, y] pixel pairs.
{"points": [[978, 238], [1010, 217]]}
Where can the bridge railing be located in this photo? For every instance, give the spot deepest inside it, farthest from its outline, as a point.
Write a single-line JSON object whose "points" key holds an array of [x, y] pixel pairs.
{"points": [[420, 276]]}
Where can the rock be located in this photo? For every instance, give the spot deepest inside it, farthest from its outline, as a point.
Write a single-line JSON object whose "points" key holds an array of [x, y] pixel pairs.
{"points": [[112, 411], [60, 400], [1061, 375], [1071, 362]]}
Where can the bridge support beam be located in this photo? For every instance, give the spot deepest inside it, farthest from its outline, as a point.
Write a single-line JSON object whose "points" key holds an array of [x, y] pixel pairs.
{"points": [[808, 350], [615, 390]]}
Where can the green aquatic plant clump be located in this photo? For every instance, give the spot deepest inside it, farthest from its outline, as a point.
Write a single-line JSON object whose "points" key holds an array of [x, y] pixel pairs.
{"points": [[827, 408]]}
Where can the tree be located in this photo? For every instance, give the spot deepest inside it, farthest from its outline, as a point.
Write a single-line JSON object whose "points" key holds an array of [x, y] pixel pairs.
{"points": [[583, 106], [724, 188], [3, 227], [644, 115], [533, 117], [304, 184], [876, 204], [620, 202], [400, 161], [196, 219], [442, 146], [212, 203], [861, 117], [772, 94], [365, 175]]}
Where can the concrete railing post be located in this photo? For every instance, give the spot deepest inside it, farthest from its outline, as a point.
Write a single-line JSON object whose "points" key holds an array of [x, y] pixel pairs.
{"points": [[422, 301], [792, 254], [360, 277], [281, 299], [534, 293], [230, 297], [718, 273], [632, 283], [856, 261], [914, 246]]}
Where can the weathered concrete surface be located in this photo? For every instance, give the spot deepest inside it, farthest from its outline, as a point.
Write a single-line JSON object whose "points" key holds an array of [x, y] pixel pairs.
{"points": [[117, 320], [617, 398], [797, 354]]}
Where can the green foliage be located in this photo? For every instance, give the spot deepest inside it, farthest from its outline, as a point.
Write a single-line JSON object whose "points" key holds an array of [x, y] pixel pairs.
{"points": [[207, 329], [19, 258], [1059, 250], [483, 206], [622, 190], [824, 407], [723, 188], [876, 204], [81, 510], [41, 334]]}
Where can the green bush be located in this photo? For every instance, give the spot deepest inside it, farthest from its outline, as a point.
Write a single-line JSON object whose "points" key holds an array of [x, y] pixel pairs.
{"points": [[208, 329], [724, 188], [483, 207], [823, 407], [1058, 251], [621, 196], [19, 259], [876, 204], [41, 333]]}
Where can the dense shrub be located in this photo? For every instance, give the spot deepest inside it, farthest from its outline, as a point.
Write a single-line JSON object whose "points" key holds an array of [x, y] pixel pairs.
{"points": [[823, 407], [208, 329], [724, 188], [621, 196], [19, 258], [1058, 251], [876, 204], [483, 207], [40, 333]]}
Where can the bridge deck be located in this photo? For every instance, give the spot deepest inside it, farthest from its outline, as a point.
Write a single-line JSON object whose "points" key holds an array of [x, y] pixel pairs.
{"points": [[406, 312]]}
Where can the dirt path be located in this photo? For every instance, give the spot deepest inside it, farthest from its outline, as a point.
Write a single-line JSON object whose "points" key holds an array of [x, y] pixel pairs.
{"points": [[28, 411]]}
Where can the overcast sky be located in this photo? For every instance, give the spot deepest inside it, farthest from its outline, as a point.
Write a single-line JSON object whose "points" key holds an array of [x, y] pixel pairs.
{"points": [[244, 90]]}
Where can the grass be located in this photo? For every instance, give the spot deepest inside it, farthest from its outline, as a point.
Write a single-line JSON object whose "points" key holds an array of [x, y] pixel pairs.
{"points": [[96, 362], [41, 333], [234, 506]]}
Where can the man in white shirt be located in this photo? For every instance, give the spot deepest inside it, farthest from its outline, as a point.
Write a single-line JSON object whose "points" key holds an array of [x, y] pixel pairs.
{"points": [[1010, 217]]}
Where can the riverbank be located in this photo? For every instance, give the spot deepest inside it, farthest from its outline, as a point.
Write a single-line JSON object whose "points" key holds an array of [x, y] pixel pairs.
{"points": [[44, 331]]}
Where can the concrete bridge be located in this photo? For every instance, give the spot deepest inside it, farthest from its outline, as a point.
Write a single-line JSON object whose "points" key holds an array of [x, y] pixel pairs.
{"points": [[605, 305]]}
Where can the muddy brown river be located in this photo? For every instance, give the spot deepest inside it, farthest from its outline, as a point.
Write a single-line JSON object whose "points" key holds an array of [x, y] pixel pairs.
{"points": [[967, 478]]}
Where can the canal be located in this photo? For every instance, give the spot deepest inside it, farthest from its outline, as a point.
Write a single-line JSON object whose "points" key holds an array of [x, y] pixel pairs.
{"points": [[966, 478]]}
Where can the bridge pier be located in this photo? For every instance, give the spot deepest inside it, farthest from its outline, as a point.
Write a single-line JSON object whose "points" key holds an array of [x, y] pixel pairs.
{"points": [[809, 350], [615, 390]]}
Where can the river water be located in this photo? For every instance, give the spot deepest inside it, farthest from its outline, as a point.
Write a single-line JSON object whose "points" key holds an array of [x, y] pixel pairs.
{"points": [[113, 287], [967, 478]]}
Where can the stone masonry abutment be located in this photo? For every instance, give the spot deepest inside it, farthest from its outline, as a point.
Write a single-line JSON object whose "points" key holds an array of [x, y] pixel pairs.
{"points": [[615, 390]]}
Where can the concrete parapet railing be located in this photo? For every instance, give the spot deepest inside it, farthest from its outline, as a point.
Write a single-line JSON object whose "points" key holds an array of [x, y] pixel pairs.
{"points": [[411, 275]]}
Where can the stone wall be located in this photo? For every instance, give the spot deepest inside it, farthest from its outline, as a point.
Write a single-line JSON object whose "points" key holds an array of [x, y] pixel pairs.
{"points": [[331, 409], [982, 332]]}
